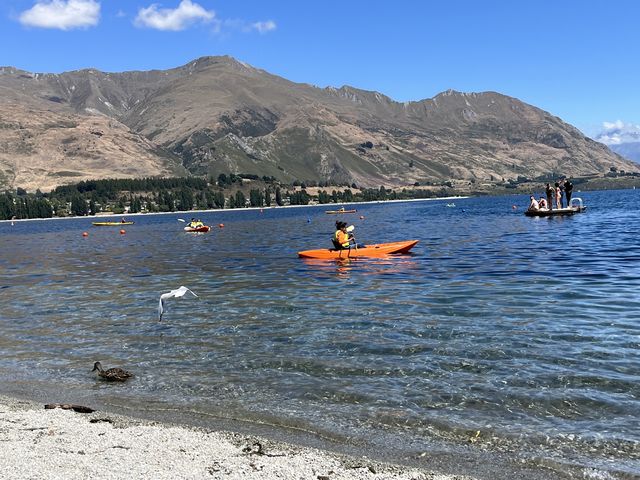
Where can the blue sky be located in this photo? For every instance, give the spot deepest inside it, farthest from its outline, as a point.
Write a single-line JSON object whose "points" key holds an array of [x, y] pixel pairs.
{"points": [[575, 59]]}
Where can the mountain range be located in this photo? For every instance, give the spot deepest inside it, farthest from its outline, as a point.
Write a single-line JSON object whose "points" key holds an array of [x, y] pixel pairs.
{"points": [[630, 150], [218, 115], [622, 138]]}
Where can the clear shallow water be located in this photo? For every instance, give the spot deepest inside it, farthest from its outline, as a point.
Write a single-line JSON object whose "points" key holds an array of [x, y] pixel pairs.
{"points": [[525, 329]]}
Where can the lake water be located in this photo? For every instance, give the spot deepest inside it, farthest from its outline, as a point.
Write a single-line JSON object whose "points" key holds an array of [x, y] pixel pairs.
{"points": [[526, 330]]}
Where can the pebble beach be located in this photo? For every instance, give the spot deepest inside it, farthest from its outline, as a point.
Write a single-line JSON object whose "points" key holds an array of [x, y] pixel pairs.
{"points": [[39, 443]]}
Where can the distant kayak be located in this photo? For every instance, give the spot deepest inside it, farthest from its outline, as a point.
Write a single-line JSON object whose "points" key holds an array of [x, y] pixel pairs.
{"points": [[201, 229], [342, 210], [373, 250], [110, 224]]}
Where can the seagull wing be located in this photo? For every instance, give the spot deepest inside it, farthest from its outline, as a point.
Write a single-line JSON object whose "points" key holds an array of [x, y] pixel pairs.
{"points": [[181, 291], [178, 292], [161, 307]]}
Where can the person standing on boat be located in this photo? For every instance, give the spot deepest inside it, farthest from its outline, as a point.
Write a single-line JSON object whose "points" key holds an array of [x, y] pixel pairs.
{"points": [[568, 190], [550, 193], [558, 191]]}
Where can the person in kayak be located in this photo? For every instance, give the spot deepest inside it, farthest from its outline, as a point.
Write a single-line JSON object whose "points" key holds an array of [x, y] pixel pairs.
{"points": [[195, 223], [341, 238]]}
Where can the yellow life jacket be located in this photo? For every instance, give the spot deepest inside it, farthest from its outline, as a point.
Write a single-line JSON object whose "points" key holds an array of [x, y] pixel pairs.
{"points": [[342, 238]]}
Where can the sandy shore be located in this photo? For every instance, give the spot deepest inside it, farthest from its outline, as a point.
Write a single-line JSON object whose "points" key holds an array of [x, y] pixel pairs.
{"points": [[52, 444]]}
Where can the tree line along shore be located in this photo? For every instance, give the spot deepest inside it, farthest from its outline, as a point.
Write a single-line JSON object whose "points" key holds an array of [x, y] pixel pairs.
{"points": [[230, 191]]}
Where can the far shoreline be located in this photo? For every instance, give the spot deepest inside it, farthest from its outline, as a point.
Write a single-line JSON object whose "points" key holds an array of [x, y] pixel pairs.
{"points": [[271, 207]]}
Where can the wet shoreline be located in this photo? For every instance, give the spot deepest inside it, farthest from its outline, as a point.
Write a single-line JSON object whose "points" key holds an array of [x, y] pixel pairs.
{"points": [[441, 460]]}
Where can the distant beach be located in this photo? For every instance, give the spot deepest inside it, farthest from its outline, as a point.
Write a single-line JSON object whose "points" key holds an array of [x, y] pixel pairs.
{"points": [[272, 207]]}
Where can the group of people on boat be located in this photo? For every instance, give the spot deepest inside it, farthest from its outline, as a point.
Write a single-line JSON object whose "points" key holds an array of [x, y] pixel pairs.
{"points": [[562, 188]]}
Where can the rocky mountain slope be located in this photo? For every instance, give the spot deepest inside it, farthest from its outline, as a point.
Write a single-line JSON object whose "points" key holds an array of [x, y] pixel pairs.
{"points": [[217, 115]]}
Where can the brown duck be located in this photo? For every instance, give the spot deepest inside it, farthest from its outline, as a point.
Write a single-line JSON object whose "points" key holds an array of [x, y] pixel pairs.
{"points": [[112, 374]]}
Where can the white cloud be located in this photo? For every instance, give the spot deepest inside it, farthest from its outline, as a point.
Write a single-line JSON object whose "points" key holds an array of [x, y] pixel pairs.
{"points": [[245, 27], [62, 14], [187, 14], [613, 125], [618, 132], [264, 27]]}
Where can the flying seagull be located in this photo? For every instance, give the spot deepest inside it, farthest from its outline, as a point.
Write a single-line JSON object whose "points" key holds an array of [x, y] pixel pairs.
{"points": [[178, 292]]}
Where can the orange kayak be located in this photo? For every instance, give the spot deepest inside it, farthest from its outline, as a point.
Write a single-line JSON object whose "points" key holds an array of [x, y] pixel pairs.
{"points": [[202, 229], [374, 250]]}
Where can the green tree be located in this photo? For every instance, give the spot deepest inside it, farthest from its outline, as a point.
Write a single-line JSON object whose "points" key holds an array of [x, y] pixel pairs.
{"points": [[241, 201], [185, 199], [78, 205], [6, 206], [256, 198], [218, 199], [222, 180], [135, 205], [323, 197]]}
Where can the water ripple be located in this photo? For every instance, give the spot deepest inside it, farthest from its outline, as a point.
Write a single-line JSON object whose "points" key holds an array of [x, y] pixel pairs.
{"points": [[524, 329]]}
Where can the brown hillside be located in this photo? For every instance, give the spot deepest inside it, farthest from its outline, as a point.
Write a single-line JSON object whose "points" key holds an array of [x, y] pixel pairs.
{"points": [[217, 115]]}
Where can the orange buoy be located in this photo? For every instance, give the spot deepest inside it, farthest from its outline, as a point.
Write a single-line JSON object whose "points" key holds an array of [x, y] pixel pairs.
{"points": [[85, 234], [122, 232], [221, 225]]}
